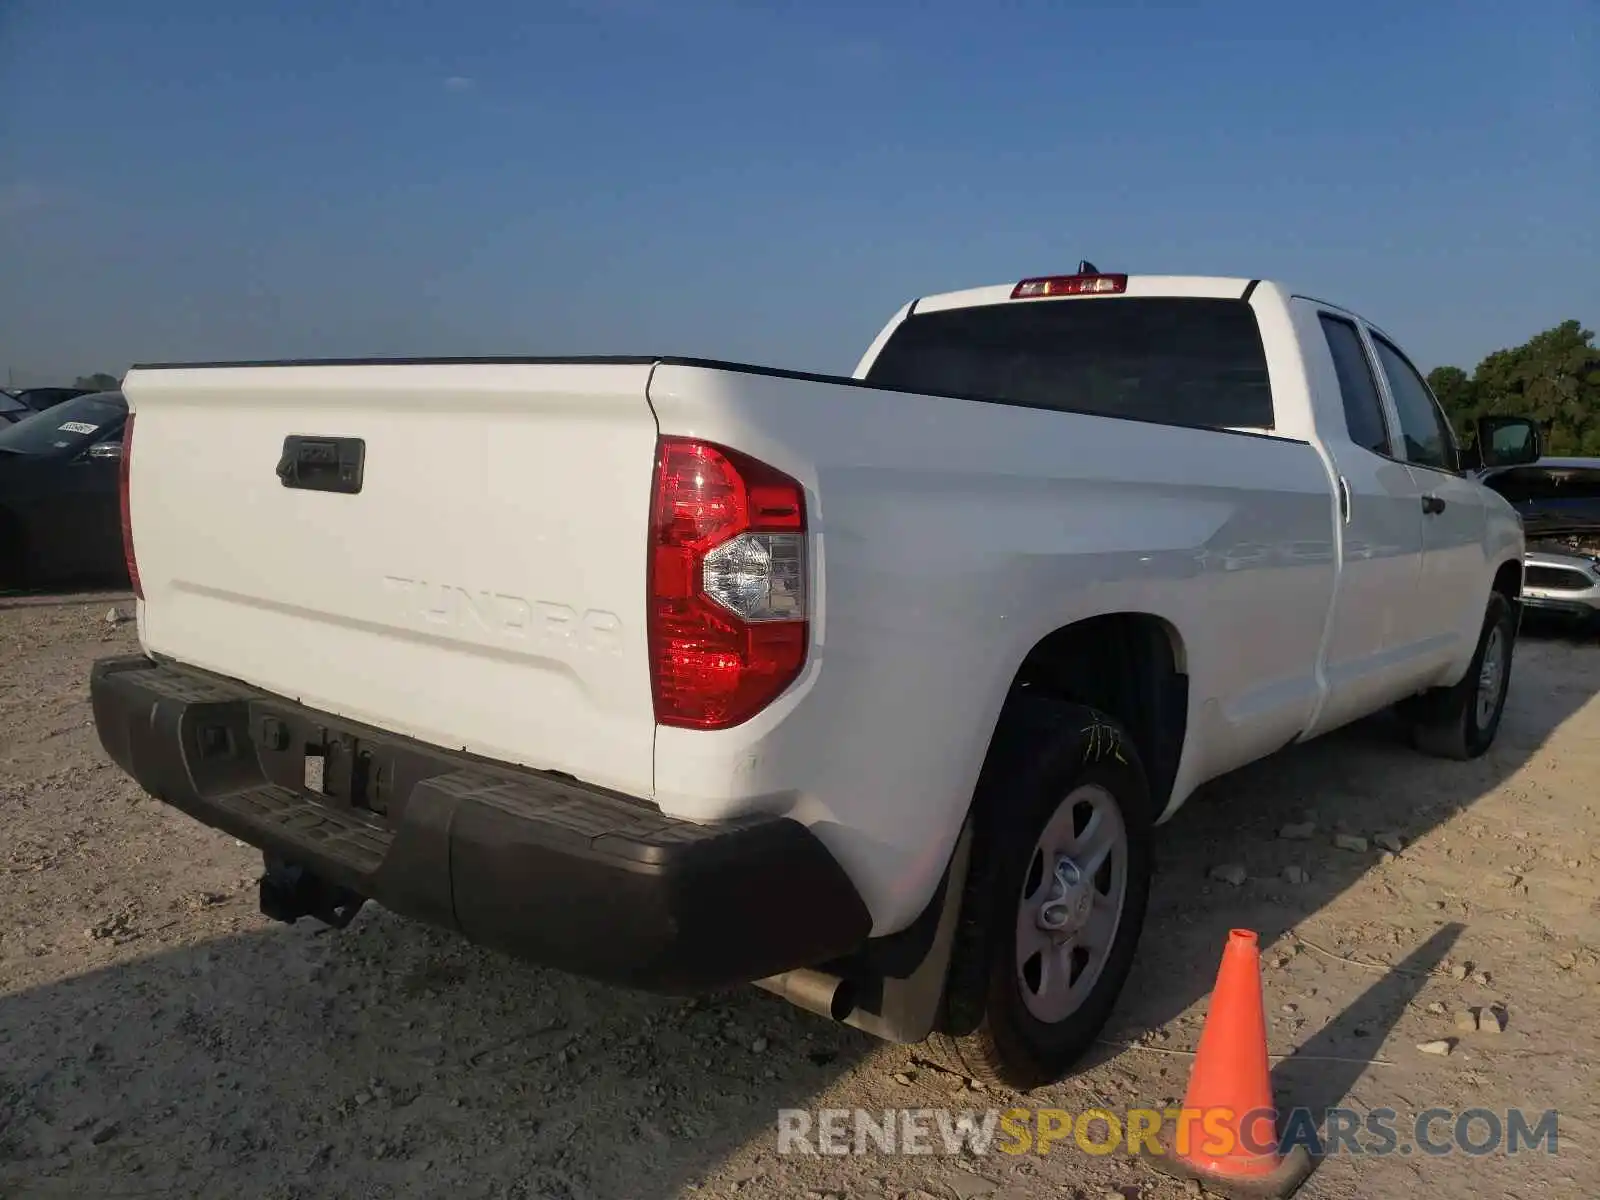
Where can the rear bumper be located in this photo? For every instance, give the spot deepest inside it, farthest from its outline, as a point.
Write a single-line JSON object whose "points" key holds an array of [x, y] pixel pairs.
{"points": [[538, 866]]}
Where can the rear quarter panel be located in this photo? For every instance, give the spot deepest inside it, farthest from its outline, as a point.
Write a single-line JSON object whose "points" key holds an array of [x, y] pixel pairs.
{"points": [[951, 536]]}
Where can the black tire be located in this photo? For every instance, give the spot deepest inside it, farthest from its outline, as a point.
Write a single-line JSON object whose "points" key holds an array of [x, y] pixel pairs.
{"points": [[1445, 722], [1044, 750]]}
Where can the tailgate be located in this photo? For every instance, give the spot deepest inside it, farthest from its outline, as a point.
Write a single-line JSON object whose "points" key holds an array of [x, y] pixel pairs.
{"points": [[483, 590]]}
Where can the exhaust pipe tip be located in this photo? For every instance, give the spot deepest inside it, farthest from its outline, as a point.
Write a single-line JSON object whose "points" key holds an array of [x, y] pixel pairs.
{"points": [[814, 991], [844, 1000]]}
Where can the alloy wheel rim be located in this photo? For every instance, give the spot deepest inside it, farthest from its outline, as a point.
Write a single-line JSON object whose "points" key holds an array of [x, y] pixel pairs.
{"points": [[1071, 904], [1491, 674]]}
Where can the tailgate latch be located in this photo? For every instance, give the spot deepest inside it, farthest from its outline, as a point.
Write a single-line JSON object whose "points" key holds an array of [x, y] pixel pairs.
{"points": [[322, 464]]}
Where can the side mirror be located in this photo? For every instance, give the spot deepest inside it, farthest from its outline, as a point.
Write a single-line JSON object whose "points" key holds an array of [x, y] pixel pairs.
{"points": [[1508, 441], [107, 450]]}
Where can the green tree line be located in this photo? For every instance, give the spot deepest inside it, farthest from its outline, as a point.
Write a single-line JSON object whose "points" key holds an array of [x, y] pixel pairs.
{"points": [[1553, 377]]}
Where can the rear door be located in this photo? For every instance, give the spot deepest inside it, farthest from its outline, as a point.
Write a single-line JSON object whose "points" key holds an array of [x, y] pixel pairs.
{"points": [[1449, 604], [1373, 625]]}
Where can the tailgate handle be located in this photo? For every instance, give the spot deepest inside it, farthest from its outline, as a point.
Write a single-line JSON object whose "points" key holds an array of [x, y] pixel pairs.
{"points": [[322, 464]]}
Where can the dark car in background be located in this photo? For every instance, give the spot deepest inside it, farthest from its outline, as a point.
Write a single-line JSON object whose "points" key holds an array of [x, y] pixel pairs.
{"points": [[12, 410], [41, 398], [60, 516], [1559, 499]]}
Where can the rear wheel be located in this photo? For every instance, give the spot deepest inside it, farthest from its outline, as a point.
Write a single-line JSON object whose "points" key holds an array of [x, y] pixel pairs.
{"points": [[1460, 722], [1055, 900]]}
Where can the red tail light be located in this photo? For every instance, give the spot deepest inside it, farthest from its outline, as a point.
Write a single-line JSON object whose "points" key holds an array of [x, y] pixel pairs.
{"points": [[729, 617], [123, 469]]}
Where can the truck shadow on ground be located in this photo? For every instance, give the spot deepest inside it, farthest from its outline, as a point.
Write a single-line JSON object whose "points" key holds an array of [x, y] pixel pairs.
{"points": [[392, 1060], [387, 1060], [1361, 781]]}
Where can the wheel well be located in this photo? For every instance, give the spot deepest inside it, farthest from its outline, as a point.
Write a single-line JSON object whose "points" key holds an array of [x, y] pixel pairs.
{"points": [[1508, 582], [1132, 667]]}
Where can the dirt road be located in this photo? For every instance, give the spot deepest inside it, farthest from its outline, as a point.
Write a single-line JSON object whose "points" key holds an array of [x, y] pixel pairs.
{"points": [[158, 1037]]}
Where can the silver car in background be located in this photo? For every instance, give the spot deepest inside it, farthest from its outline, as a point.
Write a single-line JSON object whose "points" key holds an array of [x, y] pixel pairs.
{"points": [[1568, 584], [1558, 500]]}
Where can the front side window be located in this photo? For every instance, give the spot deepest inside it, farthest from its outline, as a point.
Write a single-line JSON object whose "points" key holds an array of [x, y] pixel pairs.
{"points": [[1428, 439]]}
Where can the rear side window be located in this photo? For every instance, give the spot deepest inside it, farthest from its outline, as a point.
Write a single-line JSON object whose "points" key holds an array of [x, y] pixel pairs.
{"points": [[1363, 410], [1177, 360]]}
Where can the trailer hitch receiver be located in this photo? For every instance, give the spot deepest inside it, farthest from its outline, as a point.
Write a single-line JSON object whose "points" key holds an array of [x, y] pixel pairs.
{"points": [[289, 892]]}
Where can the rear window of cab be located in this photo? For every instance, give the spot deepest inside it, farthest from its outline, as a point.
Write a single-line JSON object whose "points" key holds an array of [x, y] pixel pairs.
{"points": [[1176, 360]]}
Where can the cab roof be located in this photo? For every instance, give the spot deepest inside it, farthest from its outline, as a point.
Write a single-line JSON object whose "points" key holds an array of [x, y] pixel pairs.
{"points": [[1212, 286]]}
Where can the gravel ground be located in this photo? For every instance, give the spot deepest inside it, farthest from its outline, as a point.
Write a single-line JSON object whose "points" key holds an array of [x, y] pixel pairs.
{"points": [[159, 1037]]}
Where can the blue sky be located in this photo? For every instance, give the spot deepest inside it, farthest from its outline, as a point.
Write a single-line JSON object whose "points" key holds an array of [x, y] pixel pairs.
{"points": [[768, 181]]}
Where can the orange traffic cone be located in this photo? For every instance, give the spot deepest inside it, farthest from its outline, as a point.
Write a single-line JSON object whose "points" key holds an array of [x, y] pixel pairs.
{"points": [[1227, 1137]]}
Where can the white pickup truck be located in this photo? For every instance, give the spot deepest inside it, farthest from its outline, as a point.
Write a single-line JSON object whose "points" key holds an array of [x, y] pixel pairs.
{"points": [[683, 674]]}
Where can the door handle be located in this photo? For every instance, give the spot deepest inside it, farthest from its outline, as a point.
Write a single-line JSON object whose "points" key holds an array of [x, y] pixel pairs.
{"points": [[1432, 505]]}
